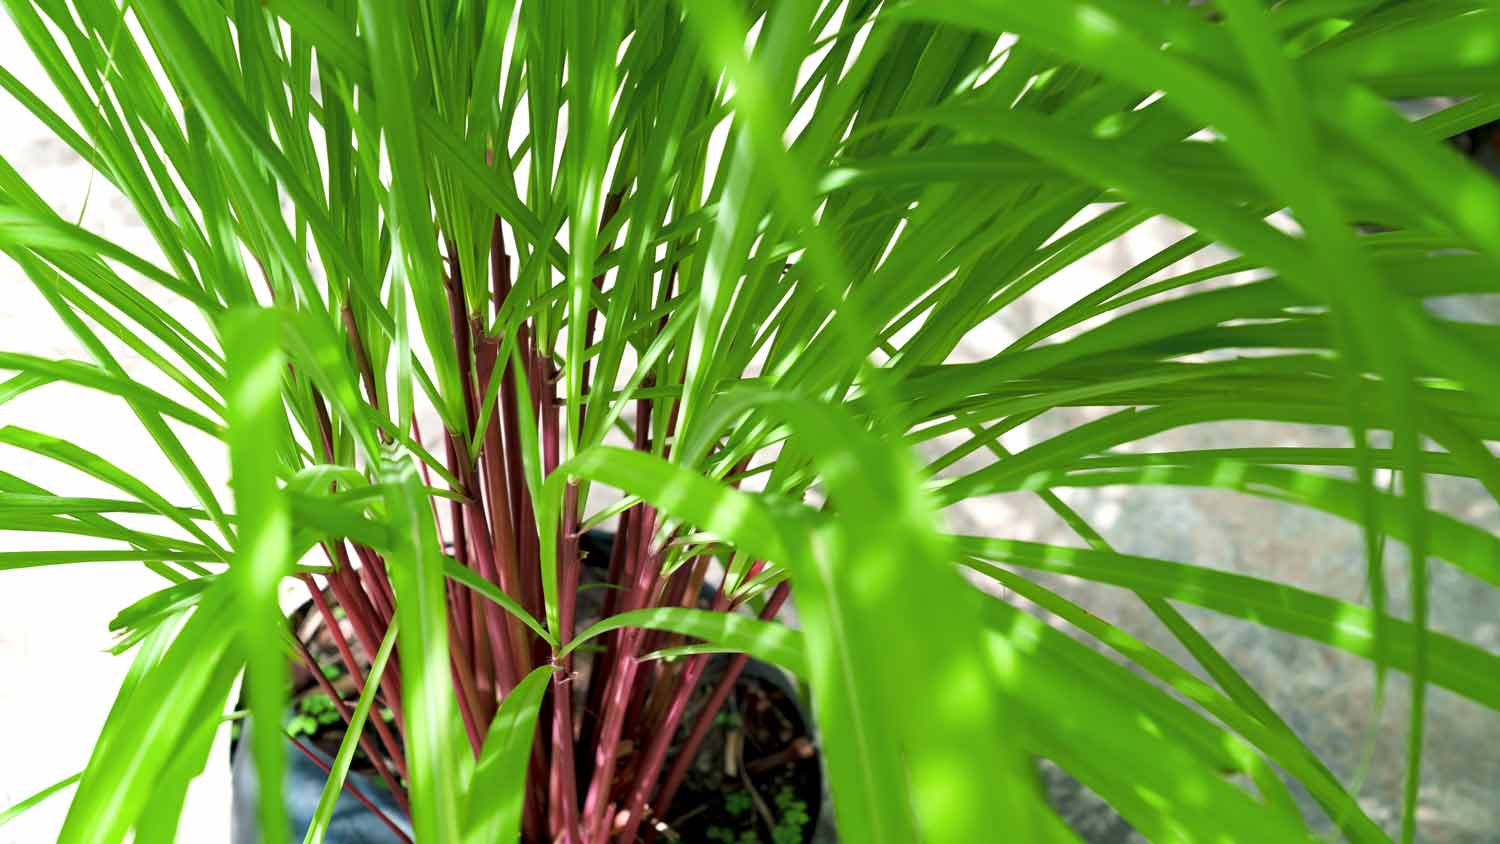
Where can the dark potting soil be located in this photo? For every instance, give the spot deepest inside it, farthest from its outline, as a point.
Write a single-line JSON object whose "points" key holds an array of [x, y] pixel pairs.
{"points": [[756, 778]]}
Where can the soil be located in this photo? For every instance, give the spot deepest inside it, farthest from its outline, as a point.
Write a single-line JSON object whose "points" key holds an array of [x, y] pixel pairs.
{"points": [[756, 779]]}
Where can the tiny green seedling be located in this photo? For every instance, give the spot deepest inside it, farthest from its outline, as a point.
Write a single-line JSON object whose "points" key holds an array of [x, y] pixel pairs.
{"points": [[737, 803]]}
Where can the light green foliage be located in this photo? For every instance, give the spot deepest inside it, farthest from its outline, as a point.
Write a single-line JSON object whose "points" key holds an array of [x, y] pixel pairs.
{"points": [[320, 707], [791, 818], [789, 814], [301, 725], [256, 367], [737, 802], [493, 809], [818, 200]]}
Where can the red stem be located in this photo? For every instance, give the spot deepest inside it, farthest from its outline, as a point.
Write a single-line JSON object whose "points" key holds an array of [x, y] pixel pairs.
{"points": [[432, 500], [461, 616], [515, 658], [325, 426], [617, 701], [536, 808], [468, 702], [373, 565], [494, 486], [370, 584], [463, 345], [564, 777], [366, 632], [361, 356], [510, 662], [347, 588], [482, 661], [535, 811], [528, 547], [459, 598], [599, 676]]}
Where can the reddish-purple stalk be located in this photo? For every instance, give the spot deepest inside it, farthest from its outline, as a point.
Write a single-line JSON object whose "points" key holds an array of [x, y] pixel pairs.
{"points": [[656, 754], [348, 591], [493, 532], [599, 676], [373, 565], [367, 633], [535, 810], [361, 355], [564, 776], [372, 580], [666, 678], [512, 662], [342, 567], [459, 598], [493, 487], [468, 701], [619, 695]]}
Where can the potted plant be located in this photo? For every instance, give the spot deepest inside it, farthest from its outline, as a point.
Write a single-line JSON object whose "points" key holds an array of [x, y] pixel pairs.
{"points": [[437, 276]]}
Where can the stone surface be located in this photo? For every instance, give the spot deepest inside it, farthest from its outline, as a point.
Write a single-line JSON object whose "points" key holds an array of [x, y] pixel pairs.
{"points": [[1326, 695]]}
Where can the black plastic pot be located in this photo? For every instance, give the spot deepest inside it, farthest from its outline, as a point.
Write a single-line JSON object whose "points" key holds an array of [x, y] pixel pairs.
{"points": [[354, 823]]}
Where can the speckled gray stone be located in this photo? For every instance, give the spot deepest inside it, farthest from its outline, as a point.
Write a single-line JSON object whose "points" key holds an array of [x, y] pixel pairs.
{"points": [[1326, 695]]}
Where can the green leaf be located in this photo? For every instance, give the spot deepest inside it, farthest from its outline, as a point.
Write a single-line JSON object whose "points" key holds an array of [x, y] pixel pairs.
{"points": [[1465, 545], [473, 580], [264, 555], [871, 684], [1083, 712], [92, 464], [416, 569], [340, 517], [766, 640], [21, 806], [492, 811], [317, 826], [33, 559], [93, 377], [417, 265], [140, 739], [1455, 665]]}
